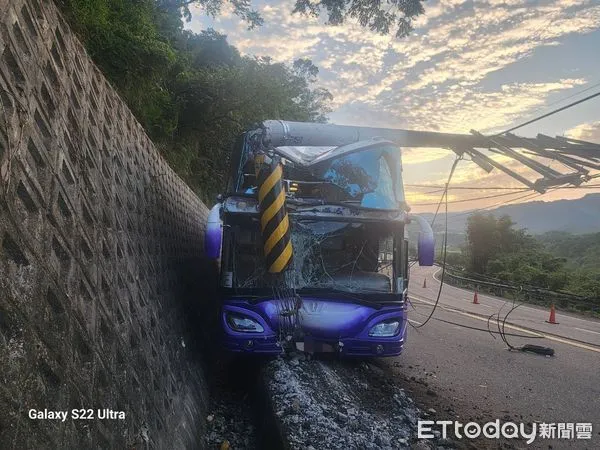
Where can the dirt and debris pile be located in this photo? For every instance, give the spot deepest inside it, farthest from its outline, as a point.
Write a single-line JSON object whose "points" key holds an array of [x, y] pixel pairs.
{"points": [[341, 404], [231, 420], [228, 425]]}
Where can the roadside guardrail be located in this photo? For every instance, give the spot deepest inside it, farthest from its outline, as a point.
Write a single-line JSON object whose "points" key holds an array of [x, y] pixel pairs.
{"points": [[525, 293]]}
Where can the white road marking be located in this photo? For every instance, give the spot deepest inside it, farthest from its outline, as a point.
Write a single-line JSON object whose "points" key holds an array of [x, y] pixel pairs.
{"points": [[499, 299], [481, 304], [589, 331], [414, 321], [474, 316], [524, 330]]}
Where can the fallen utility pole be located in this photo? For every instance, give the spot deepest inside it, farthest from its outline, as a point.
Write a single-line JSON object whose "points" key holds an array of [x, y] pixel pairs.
{"points": [[578, 156]]}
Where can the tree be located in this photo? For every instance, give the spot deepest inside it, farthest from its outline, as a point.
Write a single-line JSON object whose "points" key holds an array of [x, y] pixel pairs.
{"points": [[241, 8], [193, 93], [382, 17], [219, 103], [491, 239], [392, 16], [585, 282], [557, 261], [483, 241]]}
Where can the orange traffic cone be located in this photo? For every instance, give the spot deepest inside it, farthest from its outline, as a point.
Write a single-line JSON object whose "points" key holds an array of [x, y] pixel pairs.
{"points": [[475, 299], [552, 318], [424, 282]]}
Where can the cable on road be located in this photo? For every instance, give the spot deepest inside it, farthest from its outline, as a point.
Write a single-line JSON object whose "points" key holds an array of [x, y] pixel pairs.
{"points": [[486, 330], [538, 349], [462, 325], [469, 327], [502, 332]]}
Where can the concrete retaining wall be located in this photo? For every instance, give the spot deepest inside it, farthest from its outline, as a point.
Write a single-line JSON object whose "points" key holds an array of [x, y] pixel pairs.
{"points": [[94, 230]]}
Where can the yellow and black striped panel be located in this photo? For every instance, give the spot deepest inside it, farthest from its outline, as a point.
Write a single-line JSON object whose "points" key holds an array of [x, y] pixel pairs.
{"points": [[274, 220]]}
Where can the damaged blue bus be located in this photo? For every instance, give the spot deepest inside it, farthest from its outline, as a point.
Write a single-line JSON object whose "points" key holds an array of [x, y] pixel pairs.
{"points": [[310, 242]]}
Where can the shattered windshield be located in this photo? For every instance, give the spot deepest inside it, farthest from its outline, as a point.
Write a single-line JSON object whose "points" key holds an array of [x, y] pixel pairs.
{"points": [[370, 178], [349, 257]]}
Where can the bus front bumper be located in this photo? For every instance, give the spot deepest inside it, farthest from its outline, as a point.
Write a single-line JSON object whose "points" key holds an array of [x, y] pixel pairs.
{"points": [[323, 326]]}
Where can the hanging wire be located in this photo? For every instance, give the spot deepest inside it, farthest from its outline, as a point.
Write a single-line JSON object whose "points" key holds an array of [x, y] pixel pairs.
{"points": [[445, 193], [570, 105], [475, 188], [445, 244], [504, 194]]}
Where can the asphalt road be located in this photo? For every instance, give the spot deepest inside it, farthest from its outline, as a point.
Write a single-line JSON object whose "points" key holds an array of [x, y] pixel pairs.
{"points": [[466, 374], [571, 327]]}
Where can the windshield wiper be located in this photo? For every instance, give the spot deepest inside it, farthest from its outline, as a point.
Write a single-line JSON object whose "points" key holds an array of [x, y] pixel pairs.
{"points": [[253, 298]]}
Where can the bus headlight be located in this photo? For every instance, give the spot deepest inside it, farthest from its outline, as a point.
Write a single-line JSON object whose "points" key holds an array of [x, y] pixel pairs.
{"points": [[243, 324], [386, 328]]}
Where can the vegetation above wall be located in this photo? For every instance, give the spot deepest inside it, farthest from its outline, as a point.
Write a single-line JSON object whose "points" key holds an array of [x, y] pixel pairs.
{"points": [[193, 93]]}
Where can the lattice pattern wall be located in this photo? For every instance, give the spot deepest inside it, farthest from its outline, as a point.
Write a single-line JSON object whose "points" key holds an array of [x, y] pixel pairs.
{"points": [[93, 228]]}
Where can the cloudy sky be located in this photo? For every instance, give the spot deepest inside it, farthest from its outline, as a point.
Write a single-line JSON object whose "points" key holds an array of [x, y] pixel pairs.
{"points": [[469, 64]]}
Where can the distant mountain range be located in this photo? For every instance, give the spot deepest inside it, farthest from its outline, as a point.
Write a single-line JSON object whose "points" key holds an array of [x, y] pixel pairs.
{"points": [[574, 216]]}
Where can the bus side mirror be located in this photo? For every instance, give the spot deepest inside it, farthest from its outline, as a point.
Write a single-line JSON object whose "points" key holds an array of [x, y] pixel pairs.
{"points": [[426, 245], [213, 235]]}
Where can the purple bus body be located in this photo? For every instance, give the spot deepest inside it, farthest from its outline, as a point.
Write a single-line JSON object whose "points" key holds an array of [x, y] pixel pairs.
{"points": [[328, 326], [348, 165], [213, 235]]}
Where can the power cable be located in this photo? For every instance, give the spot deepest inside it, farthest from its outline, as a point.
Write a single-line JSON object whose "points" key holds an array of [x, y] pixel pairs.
{"points": [[445, 245], [494, 188], [484, 208], [575, 94], [589, 186], [471, 199], [545, 351], [445, 194], [501, 332], [527, 196], [570, 105], [469, 327]]}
